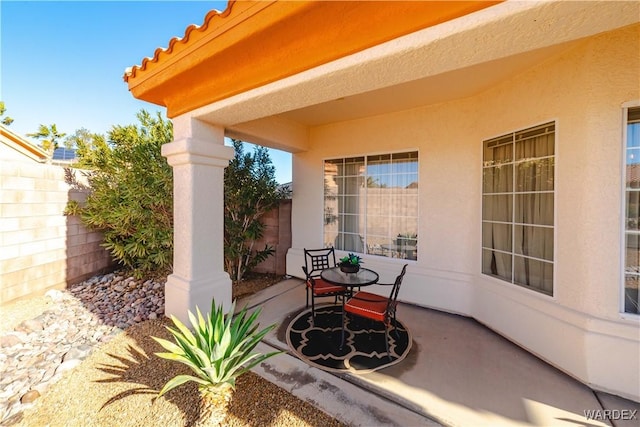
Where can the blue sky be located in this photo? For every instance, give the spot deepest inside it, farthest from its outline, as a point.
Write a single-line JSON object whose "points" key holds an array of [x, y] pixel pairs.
{"points": [[62, 62]]}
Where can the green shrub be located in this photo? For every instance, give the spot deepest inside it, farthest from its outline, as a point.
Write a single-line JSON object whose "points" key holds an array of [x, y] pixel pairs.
{"points": [[72, 208], [250, 191], [131, 200]]}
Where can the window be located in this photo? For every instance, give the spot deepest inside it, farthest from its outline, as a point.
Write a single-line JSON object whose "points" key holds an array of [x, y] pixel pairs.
{"points": [[632, 209], [371, 204], [517, 208]]}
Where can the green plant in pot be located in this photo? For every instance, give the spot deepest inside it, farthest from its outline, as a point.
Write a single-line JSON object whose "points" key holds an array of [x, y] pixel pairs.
{"points": [[350, 263], [218, 351]]}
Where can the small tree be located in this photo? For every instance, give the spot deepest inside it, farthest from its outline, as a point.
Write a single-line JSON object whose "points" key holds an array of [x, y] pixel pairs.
{"points": [[250, 191], [49, 136], [84, 140], [131, 200], [5, 120]]}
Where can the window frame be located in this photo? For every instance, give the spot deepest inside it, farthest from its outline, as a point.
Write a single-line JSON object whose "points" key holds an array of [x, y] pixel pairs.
{"points": [[623, 212], [512, 222], [366, 157]]}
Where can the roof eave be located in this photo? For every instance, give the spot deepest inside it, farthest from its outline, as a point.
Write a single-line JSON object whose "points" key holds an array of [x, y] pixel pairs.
{"points": [[221, 58], [22, 145]]}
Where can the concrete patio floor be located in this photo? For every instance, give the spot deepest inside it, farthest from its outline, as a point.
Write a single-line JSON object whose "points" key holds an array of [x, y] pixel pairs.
{"points": [[458, 373]]}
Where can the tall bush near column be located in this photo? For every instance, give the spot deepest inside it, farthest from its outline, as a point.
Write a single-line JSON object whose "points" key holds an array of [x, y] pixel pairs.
{"points": [[250, 191], [132, 193], [132, 197]]}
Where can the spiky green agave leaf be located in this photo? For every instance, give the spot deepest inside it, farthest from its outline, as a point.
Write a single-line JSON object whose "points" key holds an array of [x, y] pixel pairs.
{"points": [[218, 350], [179, 380]]}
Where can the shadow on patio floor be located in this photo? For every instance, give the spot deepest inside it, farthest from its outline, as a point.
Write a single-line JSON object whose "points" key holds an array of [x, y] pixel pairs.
{"points": [[458, 373]]}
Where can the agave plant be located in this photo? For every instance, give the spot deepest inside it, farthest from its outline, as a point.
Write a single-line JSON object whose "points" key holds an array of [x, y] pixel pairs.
{"points": [[218, 351]]}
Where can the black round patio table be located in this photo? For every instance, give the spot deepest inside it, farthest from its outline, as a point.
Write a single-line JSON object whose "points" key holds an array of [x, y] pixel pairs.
{"points": [[363, 277]]}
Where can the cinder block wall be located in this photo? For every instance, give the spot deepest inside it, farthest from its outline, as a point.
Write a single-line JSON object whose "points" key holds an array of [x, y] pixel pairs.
{"points": [[40, 248], [278, 235]]}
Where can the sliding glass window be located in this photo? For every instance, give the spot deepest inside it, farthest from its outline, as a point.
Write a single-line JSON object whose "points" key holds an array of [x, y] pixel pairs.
{"points": [[371, 204]]}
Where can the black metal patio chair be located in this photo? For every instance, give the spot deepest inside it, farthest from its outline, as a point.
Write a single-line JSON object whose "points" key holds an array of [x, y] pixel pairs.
{"points": [[377, 307], [316, 260]]}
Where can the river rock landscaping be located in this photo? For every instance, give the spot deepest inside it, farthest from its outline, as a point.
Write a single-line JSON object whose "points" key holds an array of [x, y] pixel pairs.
{"points": [[83, 356]]}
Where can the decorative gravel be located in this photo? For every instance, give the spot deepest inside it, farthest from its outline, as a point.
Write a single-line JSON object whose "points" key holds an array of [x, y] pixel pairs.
{"points": [[117, 385], [94, 364]]}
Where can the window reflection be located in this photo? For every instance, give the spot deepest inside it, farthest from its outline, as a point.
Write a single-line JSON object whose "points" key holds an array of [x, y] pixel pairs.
{"points": [[371, 204], [632, 230]]}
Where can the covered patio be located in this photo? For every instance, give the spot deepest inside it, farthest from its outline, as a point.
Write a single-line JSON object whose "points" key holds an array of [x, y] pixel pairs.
{"points": [[458, 373], [488, 136]]}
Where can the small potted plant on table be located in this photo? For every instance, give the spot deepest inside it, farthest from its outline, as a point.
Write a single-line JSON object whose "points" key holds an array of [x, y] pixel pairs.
{"points": [[350, 263]]}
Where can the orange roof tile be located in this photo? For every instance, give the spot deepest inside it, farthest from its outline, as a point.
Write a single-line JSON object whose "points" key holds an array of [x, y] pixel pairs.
{"points": [[253, 43], [208, 21]]}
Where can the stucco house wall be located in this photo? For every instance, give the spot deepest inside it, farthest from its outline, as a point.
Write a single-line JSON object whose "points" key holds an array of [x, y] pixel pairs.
{"points": [[440, 80], [580, 329]]}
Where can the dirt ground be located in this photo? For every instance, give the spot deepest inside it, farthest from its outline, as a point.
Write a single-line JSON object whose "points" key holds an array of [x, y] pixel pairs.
{"points": [[254, 282], [118, 383]]}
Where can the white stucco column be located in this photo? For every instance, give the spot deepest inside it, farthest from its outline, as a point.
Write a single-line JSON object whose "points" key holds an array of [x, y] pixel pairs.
{"points": [[198, 157]]}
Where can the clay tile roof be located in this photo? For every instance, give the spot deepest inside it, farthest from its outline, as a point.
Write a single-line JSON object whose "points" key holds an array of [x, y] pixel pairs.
{"points": [[211, 19], [259, 42]]}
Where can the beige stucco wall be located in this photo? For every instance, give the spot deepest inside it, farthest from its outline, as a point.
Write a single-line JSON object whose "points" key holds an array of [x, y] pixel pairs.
{"points": [[580, 329], [40, 248]]}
